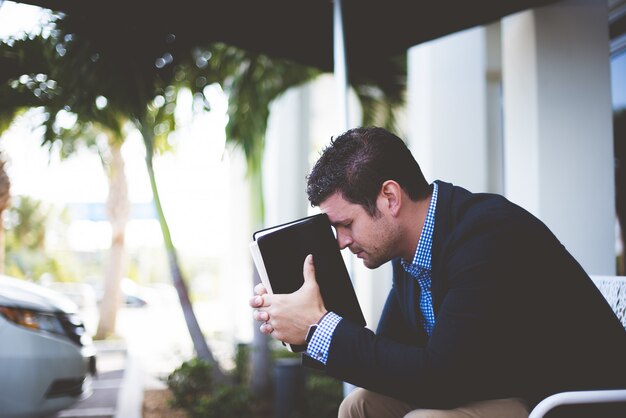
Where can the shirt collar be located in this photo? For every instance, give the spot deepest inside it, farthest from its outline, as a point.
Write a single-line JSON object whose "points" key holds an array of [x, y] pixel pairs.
{"points": [[422, 257]]}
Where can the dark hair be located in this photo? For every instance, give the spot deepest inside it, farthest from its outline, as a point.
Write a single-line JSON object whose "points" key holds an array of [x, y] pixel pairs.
{"points": [[358, 162]]}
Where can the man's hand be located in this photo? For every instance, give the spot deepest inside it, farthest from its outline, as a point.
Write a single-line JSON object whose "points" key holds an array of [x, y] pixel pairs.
{"points": [[287, 317], [257, 302]]}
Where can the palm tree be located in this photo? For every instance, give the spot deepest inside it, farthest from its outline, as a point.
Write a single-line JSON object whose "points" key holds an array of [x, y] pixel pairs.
{"points": [[70, 61], [137, 80], [34, 62]]}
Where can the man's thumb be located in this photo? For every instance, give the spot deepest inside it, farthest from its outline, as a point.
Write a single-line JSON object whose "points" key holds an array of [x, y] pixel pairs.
{"points": [[309, 269]]}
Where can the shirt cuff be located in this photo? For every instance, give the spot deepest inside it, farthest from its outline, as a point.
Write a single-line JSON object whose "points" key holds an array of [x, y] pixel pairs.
{"points": [[319, 345]]}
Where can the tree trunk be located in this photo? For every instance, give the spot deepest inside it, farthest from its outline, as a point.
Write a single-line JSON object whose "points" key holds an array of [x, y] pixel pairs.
{"points": [[118, 210], [260, 358], [202, 349]]}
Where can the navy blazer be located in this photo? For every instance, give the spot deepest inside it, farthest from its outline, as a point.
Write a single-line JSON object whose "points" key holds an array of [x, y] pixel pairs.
{"points": [[516, 316]]}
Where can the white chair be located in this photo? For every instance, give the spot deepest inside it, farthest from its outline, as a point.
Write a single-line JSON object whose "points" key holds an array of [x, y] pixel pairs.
{"points": [[613, 289]]}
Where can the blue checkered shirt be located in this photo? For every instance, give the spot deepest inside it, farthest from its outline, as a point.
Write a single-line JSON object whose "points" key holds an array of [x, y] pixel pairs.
{"points": [[320, 342], [420, 268]]}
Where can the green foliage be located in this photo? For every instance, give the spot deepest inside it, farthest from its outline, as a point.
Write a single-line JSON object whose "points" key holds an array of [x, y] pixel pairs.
{"points": [[26, 256], [225, 401], [193, 389], [241, 373], [35, 265], [26, 224], [382, 97], [323, 395], [190, 382]]}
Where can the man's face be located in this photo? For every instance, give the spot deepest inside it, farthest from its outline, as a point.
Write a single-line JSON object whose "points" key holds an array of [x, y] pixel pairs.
{"points": [[372, 239]]}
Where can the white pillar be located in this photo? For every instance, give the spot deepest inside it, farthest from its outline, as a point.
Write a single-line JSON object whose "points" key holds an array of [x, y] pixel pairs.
{"points": [[238, 264], [453, 125], [285, 162], [558, 127]]}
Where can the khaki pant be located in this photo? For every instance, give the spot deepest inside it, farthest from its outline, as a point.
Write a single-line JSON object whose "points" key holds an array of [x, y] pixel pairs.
{"points": [[363, 403]]}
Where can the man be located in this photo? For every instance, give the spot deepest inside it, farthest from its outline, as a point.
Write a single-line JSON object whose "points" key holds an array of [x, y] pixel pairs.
{"points": [[488, 313]]}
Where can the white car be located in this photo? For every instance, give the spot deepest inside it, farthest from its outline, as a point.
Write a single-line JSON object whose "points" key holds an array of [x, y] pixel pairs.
{"points": [[46, 357]]}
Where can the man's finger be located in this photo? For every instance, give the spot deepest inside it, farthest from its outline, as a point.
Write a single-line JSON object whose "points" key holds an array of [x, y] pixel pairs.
{"points": [[259, 289], [260, 316], [256, 301], [267, 300], [308, 270], [266, 328]]}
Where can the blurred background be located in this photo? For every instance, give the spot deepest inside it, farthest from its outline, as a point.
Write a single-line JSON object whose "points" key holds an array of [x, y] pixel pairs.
{"points": [[135, 174]]}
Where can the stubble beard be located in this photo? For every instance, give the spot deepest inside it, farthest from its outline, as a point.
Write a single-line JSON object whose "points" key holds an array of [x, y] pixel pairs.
{"points": [[378, 259], [387, 245]]}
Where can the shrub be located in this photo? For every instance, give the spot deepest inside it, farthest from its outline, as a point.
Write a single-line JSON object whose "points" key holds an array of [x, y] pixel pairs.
{"points": [[323, 396], [190, 382], [225, 401], [193, 390]]}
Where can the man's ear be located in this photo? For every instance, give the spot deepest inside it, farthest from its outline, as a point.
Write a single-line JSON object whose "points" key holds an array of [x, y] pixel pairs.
{"points": [[390, 197]]}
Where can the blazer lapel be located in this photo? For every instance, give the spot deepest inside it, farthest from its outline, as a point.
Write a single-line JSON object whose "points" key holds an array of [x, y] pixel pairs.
{"points": [[443, 226], [409, 290], [412, 295]]}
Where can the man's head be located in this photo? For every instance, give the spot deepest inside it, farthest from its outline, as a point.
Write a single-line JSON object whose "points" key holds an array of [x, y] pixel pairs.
{"points": [[358, 162], [362, 181]]}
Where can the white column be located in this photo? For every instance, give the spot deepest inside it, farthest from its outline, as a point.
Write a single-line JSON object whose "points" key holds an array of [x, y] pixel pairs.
{"points": [[285, 163], [238, 264], [558, 127], [452, 84]]}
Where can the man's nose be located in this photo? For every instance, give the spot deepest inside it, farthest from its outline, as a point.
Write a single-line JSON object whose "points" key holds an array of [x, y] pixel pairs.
{"points": [[344, 240]]}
